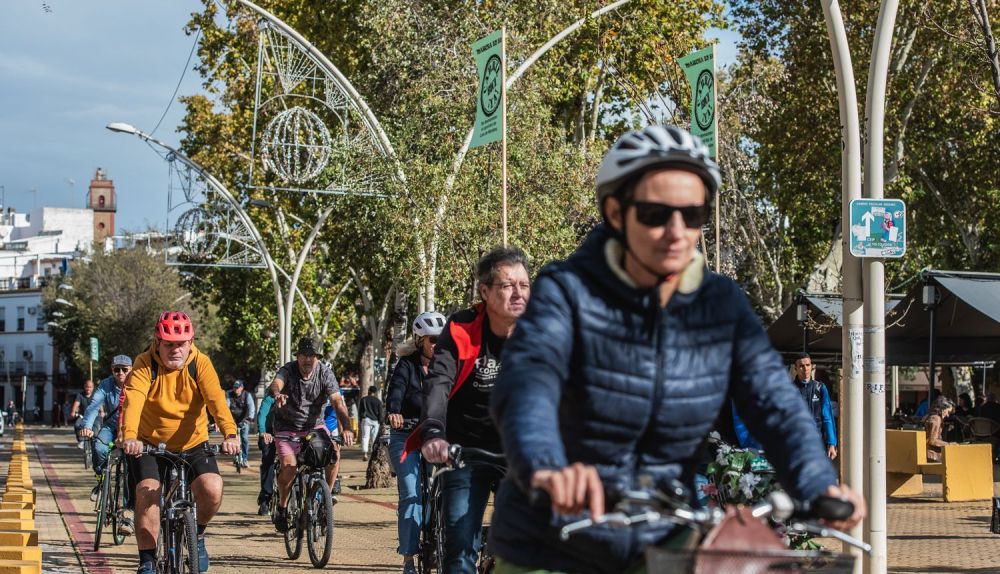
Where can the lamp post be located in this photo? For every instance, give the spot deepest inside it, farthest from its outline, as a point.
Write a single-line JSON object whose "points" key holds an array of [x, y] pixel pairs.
{"points": [[284, 338], [930, 301], [802, 316]]}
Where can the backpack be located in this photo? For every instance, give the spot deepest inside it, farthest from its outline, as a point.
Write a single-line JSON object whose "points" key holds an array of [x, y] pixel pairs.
{"points": [[317, 450]]}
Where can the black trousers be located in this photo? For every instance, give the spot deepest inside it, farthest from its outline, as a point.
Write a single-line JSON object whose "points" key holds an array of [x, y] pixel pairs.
{"points": [[267, 455]]}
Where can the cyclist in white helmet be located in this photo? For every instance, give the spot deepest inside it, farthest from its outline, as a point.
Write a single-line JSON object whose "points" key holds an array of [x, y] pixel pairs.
{"points": [[403, 403]]}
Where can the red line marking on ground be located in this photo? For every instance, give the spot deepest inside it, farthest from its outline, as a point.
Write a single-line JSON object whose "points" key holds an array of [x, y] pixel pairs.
{"points": [[93, 562], [357, 498]]}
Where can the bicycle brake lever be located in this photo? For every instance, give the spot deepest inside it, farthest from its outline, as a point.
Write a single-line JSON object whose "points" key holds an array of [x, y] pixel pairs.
{"points": [[824, 532]]}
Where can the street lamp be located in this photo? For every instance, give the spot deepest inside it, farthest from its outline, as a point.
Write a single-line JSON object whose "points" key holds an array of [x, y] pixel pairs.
{"points": [[223, 191], [930, 299]]}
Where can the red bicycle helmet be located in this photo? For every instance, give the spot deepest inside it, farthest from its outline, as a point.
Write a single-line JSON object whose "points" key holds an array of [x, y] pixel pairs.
{"points": [[174, 326]]}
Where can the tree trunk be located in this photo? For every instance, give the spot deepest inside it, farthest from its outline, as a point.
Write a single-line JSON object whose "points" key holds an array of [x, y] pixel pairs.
{"points": [[379, 472]]}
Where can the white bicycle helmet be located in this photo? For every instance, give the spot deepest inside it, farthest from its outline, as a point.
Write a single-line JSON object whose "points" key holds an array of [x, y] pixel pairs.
{"points": [[430, 324], [654, 147]]}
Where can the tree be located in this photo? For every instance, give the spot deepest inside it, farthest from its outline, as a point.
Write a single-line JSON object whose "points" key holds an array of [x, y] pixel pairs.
{"points": [[939, 125], [412, 64], [117, 296]]}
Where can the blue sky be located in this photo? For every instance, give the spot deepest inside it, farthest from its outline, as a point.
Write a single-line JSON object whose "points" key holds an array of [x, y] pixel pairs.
{"points": [[68, 72]]}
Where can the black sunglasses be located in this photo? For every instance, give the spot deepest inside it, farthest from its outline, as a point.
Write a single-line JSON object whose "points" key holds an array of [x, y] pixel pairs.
{"points": [[432, 339], [120, 369], [659, 214]]}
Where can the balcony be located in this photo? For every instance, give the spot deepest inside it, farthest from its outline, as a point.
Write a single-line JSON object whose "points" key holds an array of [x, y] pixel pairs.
{"points": [[33, 369], [23, 283]]}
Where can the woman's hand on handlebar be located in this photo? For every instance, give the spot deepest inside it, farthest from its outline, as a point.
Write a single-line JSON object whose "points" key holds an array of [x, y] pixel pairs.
{"points": [[860, 510], [267, 437], [395, 420], [87, 433], [572, 489], [132, 447]]}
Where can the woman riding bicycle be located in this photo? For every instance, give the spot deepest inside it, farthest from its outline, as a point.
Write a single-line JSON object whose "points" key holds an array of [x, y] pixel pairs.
{"points": [[403, 402], [623, 361]]}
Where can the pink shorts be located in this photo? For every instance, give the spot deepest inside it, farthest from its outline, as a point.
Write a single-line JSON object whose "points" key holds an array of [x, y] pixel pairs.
{"points": [[287, 447]]}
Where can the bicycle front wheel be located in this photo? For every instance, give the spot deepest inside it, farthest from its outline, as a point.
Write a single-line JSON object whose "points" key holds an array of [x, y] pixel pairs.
{"points": [[103, 504], [186, 543], [319, 527], [293, 535], [118, 501], [88, 448]]}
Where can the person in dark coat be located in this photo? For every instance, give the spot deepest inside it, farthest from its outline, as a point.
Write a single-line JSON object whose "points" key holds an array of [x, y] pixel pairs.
{"points": [[622, 362]]}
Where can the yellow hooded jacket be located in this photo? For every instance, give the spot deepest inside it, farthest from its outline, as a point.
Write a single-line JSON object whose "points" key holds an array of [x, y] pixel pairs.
{"points": [[171, 409]]}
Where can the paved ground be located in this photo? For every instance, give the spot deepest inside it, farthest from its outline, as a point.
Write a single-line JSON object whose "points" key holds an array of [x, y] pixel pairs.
{"points": [[925, 534]]}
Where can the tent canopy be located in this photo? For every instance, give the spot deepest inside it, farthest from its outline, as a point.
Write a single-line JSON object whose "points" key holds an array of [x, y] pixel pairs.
{"points": [[966, 317]]}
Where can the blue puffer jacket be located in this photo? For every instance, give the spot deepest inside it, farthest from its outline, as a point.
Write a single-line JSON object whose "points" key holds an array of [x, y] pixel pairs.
{"points": [[636, 389]]}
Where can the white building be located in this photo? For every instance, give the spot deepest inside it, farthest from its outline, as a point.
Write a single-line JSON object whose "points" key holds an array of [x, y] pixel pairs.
{"points": [[36, 249]]}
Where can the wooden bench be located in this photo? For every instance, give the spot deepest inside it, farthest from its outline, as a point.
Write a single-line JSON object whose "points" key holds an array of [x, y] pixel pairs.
{"points": [[966, 469]]}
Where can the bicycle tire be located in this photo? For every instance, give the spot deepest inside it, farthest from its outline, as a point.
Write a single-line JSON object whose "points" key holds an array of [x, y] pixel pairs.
{"points": [[485, 562], [103, 501], [186, 542], [320, 524], [88, 447], [239, 467], [293, 535], [118, 502], [439, 522]]}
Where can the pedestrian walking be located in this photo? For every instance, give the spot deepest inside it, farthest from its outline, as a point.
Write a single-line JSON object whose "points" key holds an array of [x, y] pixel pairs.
{"points": [[370, 412]]}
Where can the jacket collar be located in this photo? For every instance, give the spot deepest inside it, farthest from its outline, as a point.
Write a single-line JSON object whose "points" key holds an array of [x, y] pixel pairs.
{"points": [[691, 277]]}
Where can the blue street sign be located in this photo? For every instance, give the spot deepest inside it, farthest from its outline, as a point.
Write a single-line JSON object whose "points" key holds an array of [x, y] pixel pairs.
{"points": [[878, 228]]}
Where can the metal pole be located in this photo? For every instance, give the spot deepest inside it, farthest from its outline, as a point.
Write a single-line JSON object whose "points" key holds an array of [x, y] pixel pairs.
{"points": [[877, 561], [930, 350], [852, 340], [503, 123], [895, 390]]}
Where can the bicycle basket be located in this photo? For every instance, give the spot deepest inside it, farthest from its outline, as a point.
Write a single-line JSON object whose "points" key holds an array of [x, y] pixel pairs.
{"points": [[659, 560], [317, 450]]}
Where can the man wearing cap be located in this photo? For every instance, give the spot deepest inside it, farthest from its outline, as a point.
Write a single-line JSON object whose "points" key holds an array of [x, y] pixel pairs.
{"points": [[301, 389], [108, 397], [243, 409]]}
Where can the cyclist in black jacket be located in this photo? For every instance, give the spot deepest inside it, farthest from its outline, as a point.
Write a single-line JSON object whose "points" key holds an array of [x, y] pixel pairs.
{"points": [[403, 403]]}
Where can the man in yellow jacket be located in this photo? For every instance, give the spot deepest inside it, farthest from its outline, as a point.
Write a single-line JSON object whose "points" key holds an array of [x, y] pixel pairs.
{"points": [[164, 402]]}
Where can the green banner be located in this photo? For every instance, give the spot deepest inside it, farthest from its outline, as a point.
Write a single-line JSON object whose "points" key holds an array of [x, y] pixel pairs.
{"points": [[489, 98], [699, 67], [94, 349]]}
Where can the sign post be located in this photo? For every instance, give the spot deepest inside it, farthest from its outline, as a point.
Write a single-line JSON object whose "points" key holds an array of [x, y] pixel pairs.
{"points": [[94, 353], [699, 67], [491, 102], [878, 228]]}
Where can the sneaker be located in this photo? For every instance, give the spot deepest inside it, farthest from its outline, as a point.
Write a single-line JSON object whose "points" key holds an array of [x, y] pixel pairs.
{"points": [[262, 509], [79, 445], [146, 568], [95, 492], [409, 568], [280, 519], [202, 555], [336, 486], [125, 526], [364, 457]]}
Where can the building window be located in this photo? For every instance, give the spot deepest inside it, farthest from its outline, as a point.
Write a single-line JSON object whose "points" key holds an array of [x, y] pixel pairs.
{"points": [[3, 319], [20, 318], [100, 226], [100, 201]]}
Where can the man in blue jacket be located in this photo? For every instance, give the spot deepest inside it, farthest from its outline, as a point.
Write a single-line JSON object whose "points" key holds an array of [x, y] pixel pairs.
{"points": [[107, 397], [623, 361], [818, 400]]}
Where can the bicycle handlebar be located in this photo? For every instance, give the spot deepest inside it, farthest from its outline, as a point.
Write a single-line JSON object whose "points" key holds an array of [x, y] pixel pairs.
{"points": [[161, 450]]}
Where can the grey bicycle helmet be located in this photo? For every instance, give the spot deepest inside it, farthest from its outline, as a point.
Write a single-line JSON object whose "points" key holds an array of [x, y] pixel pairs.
{"points": [[655, 147]]}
